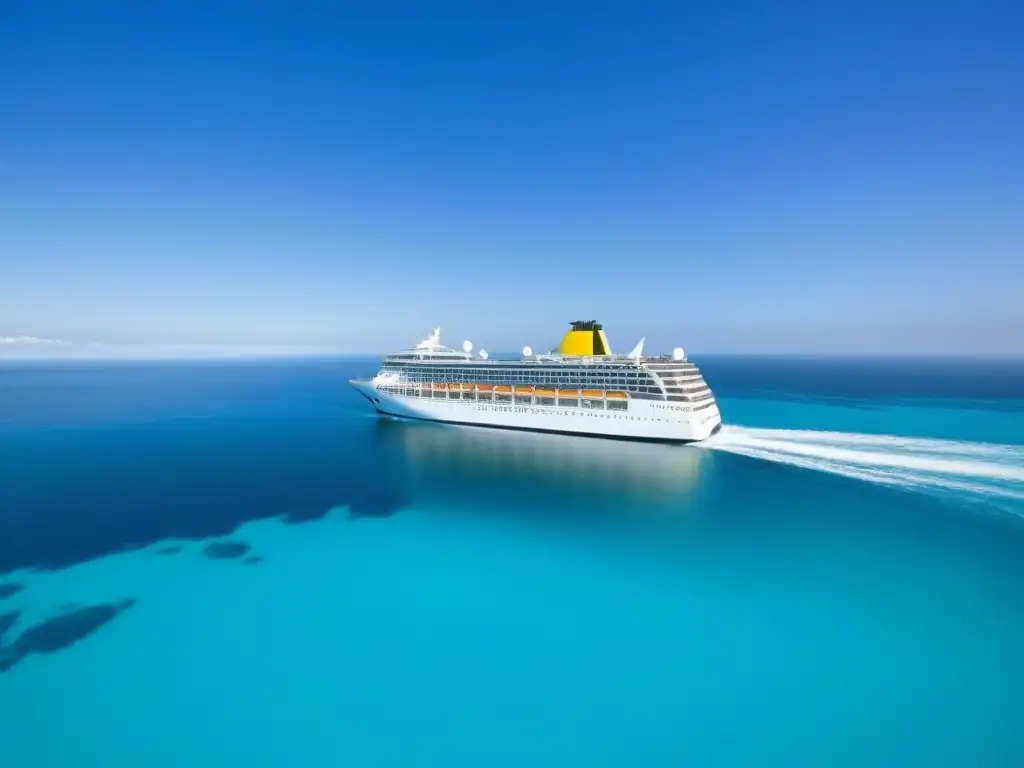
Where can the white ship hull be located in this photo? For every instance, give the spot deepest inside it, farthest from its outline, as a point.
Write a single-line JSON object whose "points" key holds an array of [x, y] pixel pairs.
{"points": [[644, 420]]}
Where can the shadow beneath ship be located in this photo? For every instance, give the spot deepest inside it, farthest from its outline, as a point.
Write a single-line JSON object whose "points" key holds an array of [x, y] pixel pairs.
{"points": [[554, 475]]}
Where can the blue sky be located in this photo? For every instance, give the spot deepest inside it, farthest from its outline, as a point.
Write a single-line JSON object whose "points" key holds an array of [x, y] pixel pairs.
{"points": [[764, 177]]}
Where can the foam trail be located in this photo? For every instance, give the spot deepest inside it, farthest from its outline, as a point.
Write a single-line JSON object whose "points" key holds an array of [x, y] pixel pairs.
{"points": [[987, 470]]}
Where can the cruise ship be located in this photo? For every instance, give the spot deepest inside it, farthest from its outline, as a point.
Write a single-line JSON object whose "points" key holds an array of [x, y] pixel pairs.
{"points": [[581, 389]]}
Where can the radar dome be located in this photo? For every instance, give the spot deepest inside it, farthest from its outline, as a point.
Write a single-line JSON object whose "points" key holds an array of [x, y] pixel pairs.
{"points": [[678, 354], [467, 346], [483, 354], [527, 351]]}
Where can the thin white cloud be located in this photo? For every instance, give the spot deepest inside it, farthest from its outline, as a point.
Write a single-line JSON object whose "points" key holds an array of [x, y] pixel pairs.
{"points": [[35, 348], [31, 341]]}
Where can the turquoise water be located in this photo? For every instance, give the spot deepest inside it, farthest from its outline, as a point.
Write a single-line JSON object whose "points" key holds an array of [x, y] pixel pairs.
{"points": [[836, 579]]}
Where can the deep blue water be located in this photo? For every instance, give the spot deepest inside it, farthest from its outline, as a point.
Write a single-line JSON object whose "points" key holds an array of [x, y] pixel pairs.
{"points": [[835, 579]]}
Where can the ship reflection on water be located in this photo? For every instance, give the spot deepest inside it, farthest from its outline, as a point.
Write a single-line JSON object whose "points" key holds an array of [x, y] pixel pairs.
{"points": [[454, 465]]}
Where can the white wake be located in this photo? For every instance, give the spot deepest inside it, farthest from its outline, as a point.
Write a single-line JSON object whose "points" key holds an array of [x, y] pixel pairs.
{"points": [[984, 469]]}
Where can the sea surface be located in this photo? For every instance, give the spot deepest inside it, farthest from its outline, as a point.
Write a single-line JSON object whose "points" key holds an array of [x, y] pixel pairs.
{"points": [[238, 563]]}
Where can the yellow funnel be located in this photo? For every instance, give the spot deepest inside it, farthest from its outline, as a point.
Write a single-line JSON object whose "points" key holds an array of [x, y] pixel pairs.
{"points": [[586, 338]]}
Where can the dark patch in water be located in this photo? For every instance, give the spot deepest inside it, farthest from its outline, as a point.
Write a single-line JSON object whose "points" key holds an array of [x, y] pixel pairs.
{"points": [[371, 511], [7, 620], [60, 632], [299, 518], [252, 560], [10, 589], [225, 550], [386, 504], [64, 607], [102, 456], [170, 549]]}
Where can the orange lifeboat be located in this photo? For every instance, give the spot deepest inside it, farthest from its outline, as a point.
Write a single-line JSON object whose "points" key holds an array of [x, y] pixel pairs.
{"points": [[568, 394], [592, 394], [616, 395]]}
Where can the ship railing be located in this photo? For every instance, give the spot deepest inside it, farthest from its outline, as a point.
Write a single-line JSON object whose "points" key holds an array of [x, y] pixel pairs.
{"points": [[546, 358], [587, 359]]}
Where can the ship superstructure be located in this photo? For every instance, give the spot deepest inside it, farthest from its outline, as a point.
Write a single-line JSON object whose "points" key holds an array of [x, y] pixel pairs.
{"points": [[582, 388]]}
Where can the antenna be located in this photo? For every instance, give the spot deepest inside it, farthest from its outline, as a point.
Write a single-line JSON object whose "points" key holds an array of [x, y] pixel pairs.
{"points": [[467, 346], [678, 354], [527, 351], [483, 354]]}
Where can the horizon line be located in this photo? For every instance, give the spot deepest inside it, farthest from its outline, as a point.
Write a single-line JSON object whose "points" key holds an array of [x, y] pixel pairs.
{"points": [[154, 355]]}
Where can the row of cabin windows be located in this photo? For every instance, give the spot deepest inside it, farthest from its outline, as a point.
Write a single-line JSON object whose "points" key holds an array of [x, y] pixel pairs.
{"points": [[593, 369], [633, 388], [699, 390], [503, 370], [687, 390], [495, 397], [582, 379], [674, 372], [688, 399], [688, 376], [426, 357]]}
